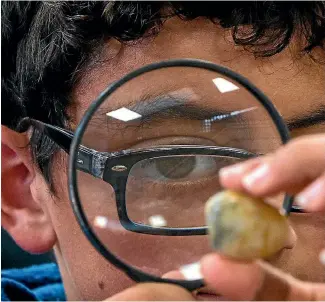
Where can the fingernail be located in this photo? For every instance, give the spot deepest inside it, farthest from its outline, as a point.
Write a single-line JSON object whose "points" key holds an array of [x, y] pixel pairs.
{"points": [[192, 271], [322, 257], [231, 170], [256, 177], [309, 194], [301, 200]]}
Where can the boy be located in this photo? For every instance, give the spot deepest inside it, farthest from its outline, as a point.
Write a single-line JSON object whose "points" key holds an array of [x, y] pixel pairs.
{"points": [[58, 56]]}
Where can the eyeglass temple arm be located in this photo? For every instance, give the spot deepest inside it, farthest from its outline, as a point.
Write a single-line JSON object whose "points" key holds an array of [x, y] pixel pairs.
{"points": [[60, 136], [89, 161]]}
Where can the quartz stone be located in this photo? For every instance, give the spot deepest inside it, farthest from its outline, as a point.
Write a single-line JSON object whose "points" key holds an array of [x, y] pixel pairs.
{"points": [[244, 227]]}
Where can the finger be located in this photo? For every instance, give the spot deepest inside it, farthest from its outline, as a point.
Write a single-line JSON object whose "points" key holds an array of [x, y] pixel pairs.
{"points": [[290, 169], [312, 198], [176, 275], [153, 292], [231, 177], [255, 281], [201, 293]]}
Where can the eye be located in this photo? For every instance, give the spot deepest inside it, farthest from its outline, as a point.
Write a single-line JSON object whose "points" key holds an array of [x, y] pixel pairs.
{"points": [[178, 168]]}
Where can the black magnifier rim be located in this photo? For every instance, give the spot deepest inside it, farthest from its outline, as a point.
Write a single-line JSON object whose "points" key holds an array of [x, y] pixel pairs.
{"points": [[133, 273]]}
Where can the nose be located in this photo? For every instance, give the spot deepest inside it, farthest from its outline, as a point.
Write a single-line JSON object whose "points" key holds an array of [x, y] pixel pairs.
{"points": [[292, 239]]}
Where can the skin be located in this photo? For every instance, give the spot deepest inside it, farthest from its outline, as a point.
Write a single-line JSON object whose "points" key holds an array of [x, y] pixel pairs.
{"points": [[40, 221]]}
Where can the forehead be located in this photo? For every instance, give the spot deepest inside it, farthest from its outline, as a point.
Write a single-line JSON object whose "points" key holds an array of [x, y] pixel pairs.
{"points": [[294, 84]]}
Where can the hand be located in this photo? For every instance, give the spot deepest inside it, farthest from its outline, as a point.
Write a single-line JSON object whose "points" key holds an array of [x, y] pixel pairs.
{"points": [[296, 168], [153, 292]]}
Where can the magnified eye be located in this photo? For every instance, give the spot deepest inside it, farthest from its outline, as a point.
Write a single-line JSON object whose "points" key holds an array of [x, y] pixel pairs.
{"points": [[178, 168], [175, 168], [174, 187]]}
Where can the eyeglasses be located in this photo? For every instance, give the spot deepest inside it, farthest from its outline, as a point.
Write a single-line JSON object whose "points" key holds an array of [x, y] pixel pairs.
{"points": [[185, 121], [122, 168]]}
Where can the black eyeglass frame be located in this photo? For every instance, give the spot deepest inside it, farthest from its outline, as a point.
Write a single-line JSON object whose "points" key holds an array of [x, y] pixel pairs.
{"points": [[118, 168], [80, 157], [114, 168]]}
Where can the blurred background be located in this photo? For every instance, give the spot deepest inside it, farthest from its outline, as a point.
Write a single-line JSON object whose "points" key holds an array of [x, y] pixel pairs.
{"points": [[14, 257]]}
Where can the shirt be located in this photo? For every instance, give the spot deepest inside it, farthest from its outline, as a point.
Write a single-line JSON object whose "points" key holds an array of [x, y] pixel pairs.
{"points": [[35, 283]]}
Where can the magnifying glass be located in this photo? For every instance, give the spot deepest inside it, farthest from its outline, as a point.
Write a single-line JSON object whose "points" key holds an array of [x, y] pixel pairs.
{"points": [[146, 155]]}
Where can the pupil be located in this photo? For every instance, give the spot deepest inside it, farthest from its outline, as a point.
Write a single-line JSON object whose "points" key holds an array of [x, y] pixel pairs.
{"points": [[176, 167]]}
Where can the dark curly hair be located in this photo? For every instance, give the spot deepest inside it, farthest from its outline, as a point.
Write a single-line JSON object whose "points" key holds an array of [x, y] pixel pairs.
{"points": [[45, 45]]}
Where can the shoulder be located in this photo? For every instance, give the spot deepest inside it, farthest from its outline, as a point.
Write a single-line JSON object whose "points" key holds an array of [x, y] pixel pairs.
{"points": [[35, 283]]}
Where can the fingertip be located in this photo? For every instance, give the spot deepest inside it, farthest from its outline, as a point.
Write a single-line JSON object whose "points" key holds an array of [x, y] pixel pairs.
{"points": [[231, 176], [312, 198], [176, 275], [213, 265], [210, 267], [227, 175], [224, 275], [153, 292], [209, 260], [258, 179]]}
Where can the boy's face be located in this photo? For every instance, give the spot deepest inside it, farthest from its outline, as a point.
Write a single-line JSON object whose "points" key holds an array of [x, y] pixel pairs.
{"points": [[296, 87]]}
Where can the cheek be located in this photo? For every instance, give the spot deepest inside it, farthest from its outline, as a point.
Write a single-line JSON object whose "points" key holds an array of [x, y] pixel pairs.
{"points": [[153, 254], [302, 261], [86, 274]]}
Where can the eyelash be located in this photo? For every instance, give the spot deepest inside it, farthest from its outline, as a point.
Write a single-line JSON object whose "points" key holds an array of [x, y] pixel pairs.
{"points": [[177, 185], [181, 187]]}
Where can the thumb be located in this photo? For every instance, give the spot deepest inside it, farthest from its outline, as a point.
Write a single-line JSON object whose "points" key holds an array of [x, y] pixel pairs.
{"points": [[153, 292], [256, 281]]}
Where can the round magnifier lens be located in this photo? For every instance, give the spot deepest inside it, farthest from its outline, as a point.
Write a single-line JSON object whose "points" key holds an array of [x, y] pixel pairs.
{"points": [[158, 142]]}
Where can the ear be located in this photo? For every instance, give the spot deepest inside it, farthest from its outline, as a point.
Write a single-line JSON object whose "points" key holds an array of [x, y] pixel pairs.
{"points": [[23, 216]]}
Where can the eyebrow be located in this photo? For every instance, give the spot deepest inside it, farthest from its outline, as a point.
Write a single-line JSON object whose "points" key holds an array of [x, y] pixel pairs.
{"points": [[313, 118], [163, 107], [166, 106]]}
